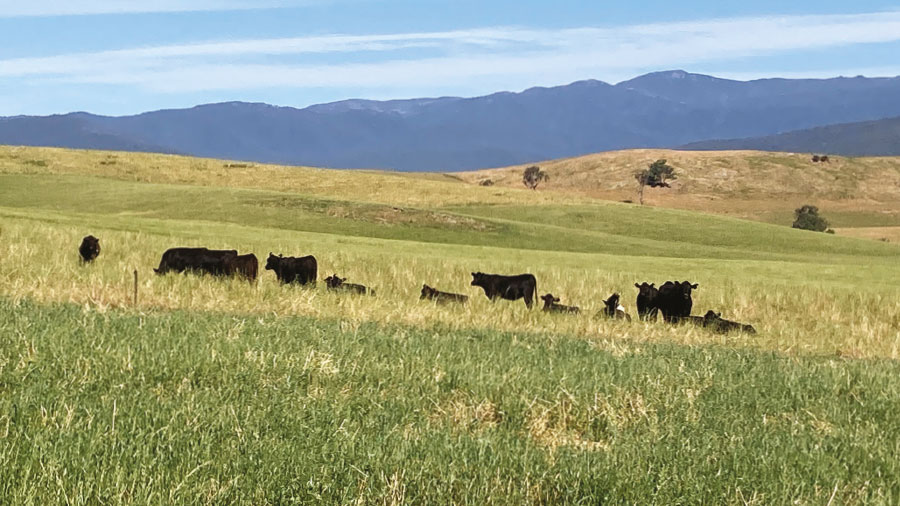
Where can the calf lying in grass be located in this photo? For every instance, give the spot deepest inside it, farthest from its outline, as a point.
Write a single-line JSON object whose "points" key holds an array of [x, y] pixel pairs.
{"points": [[716, 323], [552, 305], [613, 309], [442, 297], [334, 282]]}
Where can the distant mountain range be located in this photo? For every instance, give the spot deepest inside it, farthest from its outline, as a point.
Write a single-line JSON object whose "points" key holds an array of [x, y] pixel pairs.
{"points": [[661, 109], [865, 138]]}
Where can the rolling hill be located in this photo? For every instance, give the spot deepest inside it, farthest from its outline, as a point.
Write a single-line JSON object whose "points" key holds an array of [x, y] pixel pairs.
{"points": [[757, 185], [662, 109], [865, 138]]}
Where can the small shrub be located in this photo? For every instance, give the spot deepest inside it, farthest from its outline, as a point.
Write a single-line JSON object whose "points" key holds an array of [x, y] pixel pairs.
{"points": [[807, 218], [533, 176], [486, 182]]}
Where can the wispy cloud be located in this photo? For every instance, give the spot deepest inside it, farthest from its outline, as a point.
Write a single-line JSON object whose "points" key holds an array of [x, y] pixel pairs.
{"points": [[39, 8], [499, 54]]}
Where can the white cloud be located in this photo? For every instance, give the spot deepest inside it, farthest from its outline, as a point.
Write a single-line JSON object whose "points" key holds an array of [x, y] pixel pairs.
{"points": [[40, 8], [509, 56]]}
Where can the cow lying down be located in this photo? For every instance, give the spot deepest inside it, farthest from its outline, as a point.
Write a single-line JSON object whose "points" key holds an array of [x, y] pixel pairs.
{"points": [[334, 282], [442, 297], [552, 305], [714, 321], [614, 309]]}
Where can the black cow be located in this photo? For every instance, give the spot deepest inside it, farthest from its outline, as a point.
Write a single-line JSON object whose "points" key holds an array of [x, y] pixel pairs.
{"points": [[303, 270], [674, 300], [715, 321], [507, 287], [244, 265], [646, 301], [442, 297], [552, 305], [203, 260], [613, 309], [334, 282], [89, 249]]}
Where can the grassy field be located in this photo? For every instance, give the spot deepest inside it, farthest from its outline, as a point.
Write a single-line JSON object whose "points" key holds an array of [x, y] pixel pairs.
{"points": [[224, 391], [192, 407]]}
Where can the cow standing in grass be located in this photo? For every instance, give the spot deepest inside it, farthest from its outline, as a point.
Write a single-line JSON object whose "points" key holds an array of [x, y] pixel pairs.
{"points": [[334, 282], [302, 270], [442, 297], [201, 260], [523, 286], [646, 301], [552, 305], [89, 249], [674, 300], [246, 266]]}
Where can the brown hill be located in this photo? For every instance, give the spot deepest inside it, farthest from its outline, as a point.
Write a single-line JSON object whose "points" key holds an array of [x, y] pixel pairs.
{"points": [[851, 192]]}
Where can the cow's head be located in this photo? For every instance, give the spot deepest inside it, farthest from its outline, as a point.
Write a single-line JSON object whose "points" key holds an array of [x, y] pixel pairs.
{"points": [[334, 281], [711, 316], [612, 303], [687, 287], [477, 279], [646, 289], [549, 299], [273, 261], [427, 291]]}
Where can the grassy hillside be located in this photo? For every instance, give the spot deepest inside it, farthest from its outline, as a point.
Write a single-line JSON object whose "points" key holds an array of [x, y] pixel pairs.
{"points": [[263, 393], [852, 192]]}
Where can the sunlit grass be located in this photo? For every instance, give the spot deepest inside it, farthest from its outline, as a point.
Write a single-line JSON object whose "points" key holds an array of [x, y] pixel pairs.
{"points": [[797, 308]]}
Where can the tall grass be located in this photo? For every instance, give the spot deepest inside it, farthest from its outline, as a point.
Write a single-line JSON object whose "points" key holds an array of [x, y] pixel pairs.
{"points": [[797, 308], [187, 407]]}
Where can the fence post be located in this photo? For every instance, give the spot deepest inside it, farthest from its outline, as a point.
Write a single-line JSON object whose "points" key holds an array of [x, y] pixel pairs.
{"points": [[135, 287]]}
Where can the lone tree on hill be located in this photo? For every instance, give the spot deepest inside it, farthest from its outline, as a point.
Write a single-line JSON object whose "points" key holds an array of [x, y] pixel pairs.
{"points": [[655, 175], [807, 218], [533, 176]]}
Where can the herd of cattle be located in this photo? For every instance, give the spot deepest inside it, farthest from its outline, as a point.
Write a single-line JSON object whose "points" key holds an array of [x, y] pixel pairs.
{"points": [[672, 299]]}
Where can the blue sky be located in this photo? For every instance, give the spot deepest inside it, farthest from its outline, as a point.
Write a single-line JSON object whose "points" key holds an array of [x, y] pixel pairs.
{"points": [[126, 56]]}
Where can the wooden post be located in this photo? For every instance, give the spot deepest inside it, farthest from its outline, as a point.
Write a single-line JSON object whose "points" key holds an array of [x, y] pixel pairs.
{"points": [[135, 287]]}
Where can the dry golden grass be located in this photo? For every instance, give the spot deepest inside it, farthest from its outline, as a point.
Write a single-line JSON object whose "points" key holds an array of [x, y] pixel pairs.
{"points": [[887, 234], [797, 308], [745, 184], [751, 184], [379, 187]]}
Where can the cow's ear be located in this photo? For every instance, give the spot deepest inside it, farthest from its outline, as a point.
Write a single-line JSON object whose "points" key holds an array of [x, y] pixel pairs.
{"points": [[637, 285], [695, 285]]}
